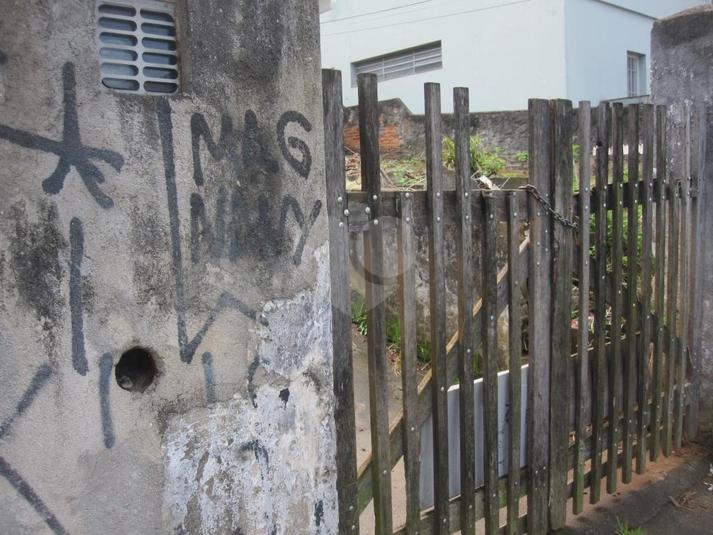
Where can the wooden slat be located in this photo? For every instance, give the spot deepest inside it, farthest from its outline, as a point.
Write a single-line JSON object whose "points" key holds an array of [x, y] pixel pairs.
{"points": [[466, 299], [375, 313], [411, 426], [540, 315], [685, 255], [560, 404], [647, 135], [358, 221], [657, 373], [514, 366], [341, 303], [490, 366], [599, 369], [700, 124], [615, 360], [671, 314], [437, 287], [630, 353], [582, 384]]}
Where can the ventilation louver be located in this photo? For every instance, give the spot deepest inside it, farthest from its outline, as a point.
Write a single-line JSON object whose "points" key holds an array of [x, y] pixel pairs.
{"points": [[137, 47]]}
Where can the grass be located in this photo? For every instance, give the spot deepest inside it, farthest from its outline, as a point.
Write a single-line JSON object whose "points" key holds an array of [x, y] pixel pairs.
{"points": [[622, 528], [359, 316]]}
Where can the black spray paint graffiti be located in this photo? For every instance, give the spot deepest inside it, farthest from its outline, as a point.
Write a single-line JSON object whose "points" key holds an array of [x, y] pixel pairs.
{"points": [[207, 360], [249, 222], [226, 301], [106, 366], [24, 489], [71, 151], [303, 166], [253, 158], [38, 382], [244, 233], [76, 240]]}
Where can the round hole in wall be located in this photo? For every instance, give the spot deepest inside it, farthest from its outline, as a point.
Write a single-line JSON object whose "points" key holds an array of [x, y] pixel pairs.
{"points": [[136, 370]]}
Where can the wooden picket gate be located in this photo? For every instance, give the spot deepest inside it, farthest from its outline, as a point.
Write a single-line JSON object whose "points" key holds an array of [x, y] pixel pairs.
{"points": [[629, 391]]}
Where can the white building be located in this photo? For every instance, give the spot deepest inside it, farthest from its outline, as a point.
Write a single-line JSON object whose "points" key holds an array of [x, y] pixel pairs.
{"points": [[505, 51]]}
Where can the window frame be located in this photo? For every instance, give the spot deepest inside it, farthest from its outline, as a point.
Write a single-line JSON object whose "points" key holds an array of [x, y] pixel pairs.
{"points": [[401, 63]]}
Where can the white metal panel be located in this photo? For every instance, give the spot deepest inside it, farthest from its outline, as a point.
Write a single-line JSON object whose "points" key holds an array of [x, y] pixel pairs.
{"points": [[454, 437]]}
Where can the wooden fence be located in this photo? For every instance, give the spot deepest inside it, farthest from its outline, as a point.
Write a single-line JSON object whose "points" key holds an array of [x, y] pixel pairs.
{"points": [[625, 244]]}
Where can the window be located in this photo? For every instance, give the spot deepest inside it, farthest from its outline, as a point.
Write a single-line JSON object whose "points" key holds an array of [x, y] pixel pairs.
{"points": [[137, 46], [403, 63], [636, 74]]}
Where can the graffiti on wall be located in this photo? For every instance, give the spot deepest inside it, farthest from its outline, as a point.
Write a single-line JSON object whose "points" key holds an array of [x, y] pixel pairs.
{"points": [[71, 151], [255, 224]]}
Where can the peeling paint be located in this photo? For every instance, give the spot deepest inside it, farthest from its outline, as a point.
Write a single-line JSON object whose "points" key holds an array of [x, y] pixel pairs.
{"points": [[244, 465]]}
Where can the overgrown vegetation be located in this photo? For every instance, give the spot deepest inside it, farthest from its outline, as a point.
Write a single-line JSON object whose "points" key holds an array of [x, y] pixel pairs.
{"points": [[483, 161], [405, 173]]}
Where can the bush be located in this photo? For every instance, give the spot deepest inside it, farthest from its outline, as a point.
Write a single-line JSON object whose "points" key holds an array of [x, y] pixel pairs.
{"points": [[483, 162]]}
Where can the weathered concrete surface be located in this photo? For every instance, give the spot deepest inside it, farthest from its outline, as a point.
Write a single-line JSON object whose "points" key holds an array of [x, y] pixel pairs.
{"points": [[682, 72], [192, 226]]}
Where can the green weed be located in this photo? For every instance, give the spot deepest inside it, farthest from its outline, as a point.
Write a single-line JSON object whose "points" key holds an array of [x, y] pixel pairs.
{"points": [[359, 316], [483, 162], [622, 528]]}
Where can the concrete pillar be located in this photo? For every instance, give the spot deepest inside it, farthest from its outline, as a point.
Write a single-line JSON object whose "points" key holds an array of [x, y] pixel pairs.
{"points": [[187, 234], [682, 72]]}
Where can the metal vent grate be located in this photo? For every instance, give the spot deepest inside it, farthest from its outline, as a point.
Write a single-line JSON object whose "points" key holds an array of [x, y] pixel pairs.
{"points": [[137, 46]]}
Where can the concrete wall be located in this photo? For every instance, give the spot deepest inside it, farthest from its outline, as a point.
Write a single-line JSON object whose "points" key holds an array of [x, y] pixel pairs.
{"points": [[683, 72], [122, 227], [505, 51]]}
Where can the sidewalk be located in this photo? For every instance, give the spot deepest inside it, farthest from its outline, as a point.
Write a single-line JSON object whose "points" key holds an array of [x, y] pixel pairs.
{"points": [[670, 499]]}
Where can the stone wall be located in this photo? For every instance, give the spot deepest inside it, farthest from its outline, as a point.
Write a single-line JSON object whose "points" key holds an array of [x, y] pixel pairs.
{"points": [[400, 130], [164, 301]]}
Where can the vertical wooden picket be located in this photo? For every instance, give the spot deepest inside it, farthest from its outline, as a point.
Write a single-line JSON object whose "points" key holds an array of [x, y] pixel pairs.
{"points": [[466, 300], [490, 364], [671, 312], [701, 120], [599, 402], [632, 323], [514, 365], [375, 314], [685, 255], [647, 134], [615, 376], [562, 313], [540, 314], [341, 303], [411, 425], [434, 174], [657, 385], [582, 391]]}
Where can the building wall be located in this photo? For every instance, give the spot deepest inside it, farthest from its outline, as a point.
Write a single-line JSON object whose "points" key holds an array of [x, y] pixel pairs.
{"points": [[599, 35], [505, 51], [192, 226]]}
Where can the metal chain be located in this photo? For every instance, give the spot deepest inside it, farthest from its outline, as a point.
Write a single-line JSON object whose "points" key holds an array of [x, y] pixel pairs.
{"points": [[532, 190]]}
